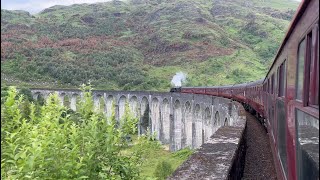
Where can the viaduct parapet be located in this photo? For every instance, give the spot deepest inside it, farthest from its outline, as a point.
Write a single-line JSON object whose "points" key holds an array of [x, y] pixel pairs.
{"points": [[180, 120]]}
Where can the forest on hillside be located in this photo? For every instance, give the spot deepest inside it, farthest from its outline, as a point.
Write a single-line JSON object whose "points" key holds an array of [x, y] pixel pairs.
{"points": [[142, 44]]}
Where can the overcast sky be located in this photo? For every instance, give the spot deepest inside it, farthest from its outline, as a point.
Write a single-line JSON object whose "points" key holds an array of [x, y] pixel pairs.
{"points": [[35, 6]]}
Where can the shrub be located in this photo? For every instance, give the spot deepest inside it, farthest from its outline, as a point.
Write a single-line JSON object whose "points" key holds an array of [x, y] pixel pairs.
{"points": [[52, 145], [163, 170], [26, 93], [4, 93], [183, 153]]}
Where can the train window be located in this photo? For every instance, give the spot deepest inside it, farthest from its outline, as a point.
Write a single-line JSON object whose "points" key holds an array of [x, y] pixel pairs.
{"points": [[284, 83], [300, 70], [277, 77], [307, 147], [282, 79], [307, 69], [272, 84], [314, 70], [268, 87], [267, 84], [281, 134], [316, 65]]}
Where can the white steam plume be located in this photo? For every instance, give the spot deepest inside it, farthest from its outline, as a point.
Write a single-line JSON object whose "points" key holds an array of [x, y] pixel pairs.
{"points": [[178, 79]]}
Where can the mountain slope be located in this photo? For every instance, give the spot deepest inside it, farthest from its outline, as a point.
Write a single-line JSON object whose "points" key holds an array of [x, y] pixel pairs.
{"points": [[141, 44]]}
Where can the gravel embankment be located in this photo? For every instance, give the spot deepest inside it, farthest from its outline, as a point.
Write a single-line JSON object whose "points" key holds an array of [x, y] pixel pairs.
{"points": [[259, 160]]}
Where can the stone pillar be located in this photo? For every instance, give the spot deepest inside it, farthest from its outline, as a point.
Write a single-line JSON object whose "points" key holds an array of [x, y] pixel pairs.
{"points": [[96, 103], [73, 102], [139, 116], [177, 124], [198, 126], [194, 135], [109, 106], [183, 129], [155, 117], [121, 107], [207, 124], [117, 113], [61, 98], [172, 134], [188, 124], [165, 116], [150, 125]]}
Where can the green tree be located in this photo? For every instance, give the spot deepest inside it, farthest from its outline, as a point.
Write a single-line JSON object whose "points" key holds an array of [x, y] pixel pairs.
{"points": [[26, 93]]}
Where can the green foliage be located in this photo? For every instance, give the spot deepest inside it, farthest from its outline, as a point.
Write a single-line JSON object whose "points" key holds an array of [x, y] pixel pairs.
{"points": [[266, 50], [40, 100], [50, 145], [128, 123], [4, 93], [26, 94], [183, 153], [86, 106], [224, 41], [163, 170], [153, 153]]}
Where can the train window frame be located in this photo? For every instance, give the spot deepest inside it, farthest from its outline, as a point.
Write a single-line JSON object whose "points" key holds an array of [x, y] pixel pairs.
{"points": [[281, 129], [282, 79], [298, 92], [313, 86], [267, 86], [310, 76], [272, 84], [306, 75], [303, 113], [270, 87], [277, 77]]}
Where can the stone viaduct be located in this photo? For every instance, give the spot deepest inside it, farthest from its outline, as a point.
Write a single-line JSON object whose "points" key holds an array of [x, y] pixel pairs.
{"points": [[180, 120]]}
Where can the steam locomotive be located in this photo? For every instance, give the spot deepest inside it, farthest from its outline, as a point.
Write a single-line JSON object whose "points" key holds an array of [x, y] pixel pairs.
{"points": [[287, 99]]}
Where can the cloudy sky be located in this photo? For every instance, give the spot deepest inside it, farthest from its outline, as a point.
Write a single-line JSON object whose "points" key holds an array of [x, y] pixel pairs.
{"points": [[35, 6]]}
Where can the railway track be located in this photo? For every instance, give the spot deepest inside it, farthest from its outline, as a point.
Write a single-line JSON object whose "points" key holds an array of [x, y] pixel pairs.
{"points": [[258, 161]]}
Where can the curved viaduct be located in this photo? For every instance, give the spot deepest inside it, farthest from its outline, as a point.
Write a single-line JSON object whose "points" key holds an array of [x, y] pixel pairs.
{"points": [[180, 120]]}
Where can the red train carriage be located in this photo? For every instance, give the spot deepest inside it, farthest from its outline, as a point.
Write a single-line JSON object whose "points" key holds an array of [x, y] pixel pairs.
{"points": [[198, 90], [225, 91], [184, 90], [239, 92], [252, 92], [292, 97], [212, 91], [288, 97]]}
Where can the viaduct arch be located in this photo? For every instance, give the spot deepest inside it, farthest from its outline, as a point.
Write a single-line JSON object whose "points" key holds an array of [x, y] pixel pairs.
{"points": [[180, 120]]}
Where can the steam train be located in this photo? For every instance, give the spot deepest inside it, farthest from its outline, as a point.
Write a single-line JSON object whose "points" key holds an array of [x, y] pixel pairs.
{"points": [[287, 99]]}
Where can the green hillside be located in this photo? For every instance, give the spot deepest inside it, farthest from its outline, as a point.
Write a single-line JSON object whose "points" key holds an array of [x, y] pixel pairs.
{"points": [[141, 44]]}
